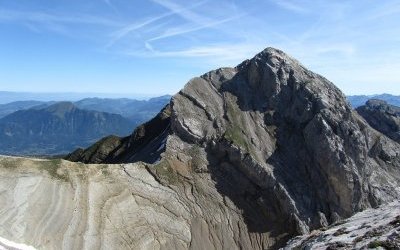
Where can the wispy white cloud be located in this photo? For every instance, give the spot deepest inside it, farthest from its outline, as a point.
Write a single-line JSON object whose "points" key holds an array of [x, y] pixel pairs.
{"points": [[42, 17], [191, 22], [186, 13], [111, 5], [176, 31], [121, 33], [291, 6], [225, 54]]}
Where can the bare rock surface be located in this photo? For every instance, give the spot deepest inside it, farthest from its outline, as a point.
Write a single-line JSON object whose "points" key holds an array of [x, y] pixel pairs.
{"points": [[370, 229], [53, 204], [241, 158], [383, 117], [310, 159]]}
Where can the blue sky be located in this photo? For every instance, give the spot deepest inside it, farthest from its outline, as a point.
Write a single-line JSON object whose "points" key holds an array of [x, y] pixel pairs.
{"points": [[154, 47]]}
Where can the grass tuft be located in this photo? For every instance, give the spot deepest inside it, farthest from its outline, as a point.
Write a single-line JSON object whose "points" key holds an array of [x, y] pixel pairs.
{"points": [[165, 172], [52, 167]]}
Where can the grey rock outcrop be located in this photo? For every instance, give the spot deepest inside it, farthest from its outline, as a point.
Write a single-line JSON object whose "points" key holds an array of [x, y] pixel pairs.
{"points": [[289, 132], [371, 229], [279, 143], [383, 117]]}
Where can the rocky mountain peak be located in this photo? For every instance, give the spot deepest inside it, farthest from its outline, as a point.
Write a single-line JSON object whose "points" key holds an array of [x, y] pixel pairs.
{"points": [[284, 128], [278, 141], [280, 124], [272, 86]]}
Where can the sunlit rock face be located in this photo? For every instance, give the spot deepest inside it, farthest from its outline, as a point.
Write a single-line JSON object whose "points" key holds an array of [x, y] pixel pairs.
{"points": [[241, 158], [370, 229]]}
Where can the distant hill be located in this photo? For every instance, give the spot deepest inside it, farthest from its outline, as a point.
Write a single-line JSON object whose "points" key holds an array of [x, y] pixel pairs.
{"points": [[57, 129], [138, 111], [6, 109], [359, 100], [11, 96]]}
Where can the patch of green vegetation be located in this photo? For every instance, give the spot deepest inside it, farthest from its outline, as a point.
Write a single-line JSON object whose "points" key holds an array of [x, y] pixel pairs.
{"points": [[164, 171], [374, 232], [197, 161], [104, 170], [102, 145], [384, 244], [358, 239], [52, 166], [341, 231], [234, 134], [338, 223], [338, 245], [9, 163]]}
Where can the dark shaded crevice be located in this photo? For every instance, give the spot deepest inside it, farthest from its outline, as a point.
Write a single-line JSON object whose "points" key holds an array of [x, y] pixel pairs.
{"points": [[261, 209]]}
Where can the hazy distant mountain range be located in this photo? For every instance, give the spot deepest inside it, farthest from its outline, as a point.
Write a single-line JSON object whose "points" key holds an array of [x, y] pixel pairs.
{"points": [[8, 108], [57, 129], [137, 111], [359, 100], [10, 96], [47, 128]]}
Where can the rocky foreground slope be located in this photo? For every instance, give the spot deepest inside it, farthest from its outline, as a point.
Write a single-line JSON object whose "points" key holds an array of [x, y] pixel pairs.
{"points": [[54, 204], [370, 229], [241, 158]]}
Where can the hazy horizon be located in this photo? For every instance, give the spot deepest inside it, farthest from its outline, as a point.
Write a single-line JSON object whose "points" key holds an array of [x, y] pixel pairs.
{"points": [[12, 96]]}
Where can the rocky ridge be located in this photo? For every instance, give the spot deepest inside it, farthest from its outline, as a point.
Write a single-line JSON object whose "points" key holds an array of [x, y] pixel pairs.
{"points": [[250, 156], [282, 143]]}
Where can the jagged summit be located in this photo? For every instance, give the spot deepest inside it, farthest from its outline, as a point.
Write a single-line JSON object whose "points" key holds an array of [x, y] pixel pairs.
{"points": [[271, 56], [278, 141]]}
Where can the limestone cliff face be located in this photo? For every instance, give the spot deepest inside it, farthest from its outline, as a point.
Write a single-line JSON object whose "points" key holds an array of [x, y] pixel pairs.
{"points": [[291, 135], [60, 205], [63, 205], [241, 158]]}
